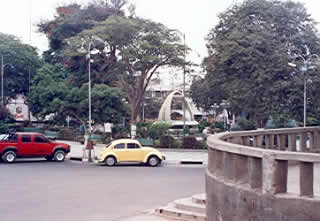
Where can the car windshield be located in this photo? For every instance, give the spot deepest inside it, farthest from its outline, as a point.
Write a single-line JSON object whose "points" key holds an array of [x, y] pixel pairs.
{"points": [[4, 136]]}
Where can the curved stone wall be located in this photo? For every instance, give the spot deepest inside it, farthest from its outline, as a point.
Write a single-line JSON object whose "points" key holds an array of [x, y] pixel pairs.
{"points": [[247, 175]]}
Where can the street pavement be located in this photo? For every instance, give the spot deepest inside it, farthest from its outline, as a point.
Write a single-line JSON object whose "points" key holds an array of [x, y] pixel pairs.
{"points": [[173, 156], [41, 190]]}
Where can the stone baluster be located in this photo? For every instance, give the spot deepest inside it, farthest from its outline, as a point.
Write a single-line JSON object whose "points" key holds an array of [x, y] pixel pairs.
{"points": [[255, 172], [292, 142], [229, 166], [257, 141], [303, 142], [315, 141], [216, 160], [281, 141], [245, 141], [275, 175], [235, 140], [306, 179], [269, 141]]}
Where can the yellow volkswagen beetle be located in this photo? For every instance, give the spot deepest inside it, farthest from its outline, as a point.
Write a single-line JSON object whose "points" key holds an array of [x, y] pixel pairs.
{"points": [[129, 150]]}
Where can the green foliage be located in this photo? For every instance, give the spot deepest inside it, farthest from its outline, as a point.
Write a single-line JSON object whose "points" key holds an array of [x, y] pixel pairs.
{"points": [[143, 129], [186, 130], [5, 120], [19, 61], [66, 134], [136, 49], [217, 127], [203, 124], [52, 93], [120, 132], [249, 51], [190, 142], [158, 128], [70, 20], [245, 124], [280, 121], [151, 108], [166, 141]]}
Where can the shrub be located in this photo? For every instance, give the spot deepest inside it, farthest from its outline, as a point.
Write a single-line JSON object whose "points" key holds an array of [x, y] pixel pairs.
{"points": [[217, 127], [158, 128], [66, 134], [203, 124], [166, 141], [177, 144], [143, 129], [245, 124], [190, 142], [120, 132], [186, 130]]}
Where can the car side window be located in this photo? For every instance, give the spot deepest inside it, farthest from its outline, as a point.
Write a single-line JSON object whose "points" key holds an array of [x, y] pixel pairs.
{"points": [[40, 139], [132, 146], [13, 137], [26, 139], [119, 146]]}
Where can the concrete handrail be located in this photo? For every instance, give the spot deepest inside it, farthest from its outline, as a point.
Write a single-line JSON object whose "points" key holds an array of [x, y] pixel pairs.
{"points": [[256, 163]]}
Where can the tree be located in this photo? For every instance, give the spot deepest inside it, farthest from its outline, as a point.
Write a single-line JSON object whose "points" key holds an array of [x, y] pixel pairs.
{"points": [[53, 93], [249, 51], [20, 63], [133, 49]]}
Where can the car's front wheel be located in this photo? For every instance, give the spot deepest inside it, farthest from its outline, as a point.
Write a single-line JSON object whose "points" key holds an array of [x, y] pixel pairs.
{"points": [[153, 161], [9, 156], [59, 156], [110, 161]]}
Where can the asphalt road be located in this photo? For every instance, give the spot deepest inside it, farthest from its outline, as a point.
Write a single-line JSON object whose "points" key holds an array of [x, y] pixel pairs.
{"points": [[37, 190]]}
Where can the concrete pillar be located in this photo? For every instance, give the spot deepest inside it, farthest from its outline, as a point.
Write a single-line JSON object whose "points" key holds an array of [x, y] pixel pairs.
{"points": [[306, 179], [236, 140], [255, 172], [257, 141], [292, 146], [281, 141], [229, 170], [212, 162], [315, 141], [241, 167], [246, 141], [218, 165], [275, 175], [303, 142], [270, 141]]}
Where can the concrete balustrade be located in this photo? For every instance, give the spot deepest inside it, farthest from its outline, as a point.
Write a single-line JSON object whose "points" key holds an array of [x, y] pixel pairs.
{"points": [[248, 174]]}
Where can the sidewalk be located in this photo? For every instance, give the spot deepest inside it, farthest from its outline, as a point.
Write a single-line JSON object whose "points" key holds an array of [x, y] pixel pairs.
{"points": [[173, 156], [147, 216]]}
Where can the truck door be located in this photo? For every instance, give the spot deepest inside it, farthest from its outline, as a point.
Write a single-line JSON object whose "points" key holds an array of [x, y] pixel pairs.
{"points": [[42, 145], [27, 147]]}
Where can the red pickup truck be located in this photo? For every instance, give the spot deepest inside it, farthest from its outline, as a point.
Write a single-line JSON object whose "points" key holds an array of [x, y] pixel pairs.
{"points": [[27, 145]]}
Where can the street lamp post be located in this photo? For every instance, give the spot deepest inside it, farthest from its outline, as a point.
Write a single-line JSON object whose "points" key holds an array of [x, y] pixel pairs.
{"points": [[184, 85], [304, 68], [88, 54], [2, 75]]}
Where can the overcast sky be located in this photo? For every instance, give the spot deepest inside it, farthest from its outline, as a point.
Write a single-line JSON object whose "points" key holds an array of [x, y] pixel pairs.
{"points": [[194, 18]]}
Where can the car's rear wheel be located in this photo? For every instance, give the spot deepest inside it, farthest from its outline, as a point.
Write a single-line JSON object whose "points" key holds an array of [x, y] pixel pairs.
{"points": [[9, 156], [59, 156], [110, 161], [153, 161]]}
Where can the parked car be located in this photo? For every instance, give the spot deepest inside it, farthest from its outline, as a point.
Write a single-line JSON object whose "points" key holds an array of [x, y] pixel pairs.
{"points": [[129, 150], [27, 145]]}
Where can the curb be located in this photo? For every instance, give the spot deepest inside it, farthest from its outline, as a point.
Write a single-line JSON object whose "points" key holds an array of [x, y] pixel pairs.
{"points": [[183, 162]]}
